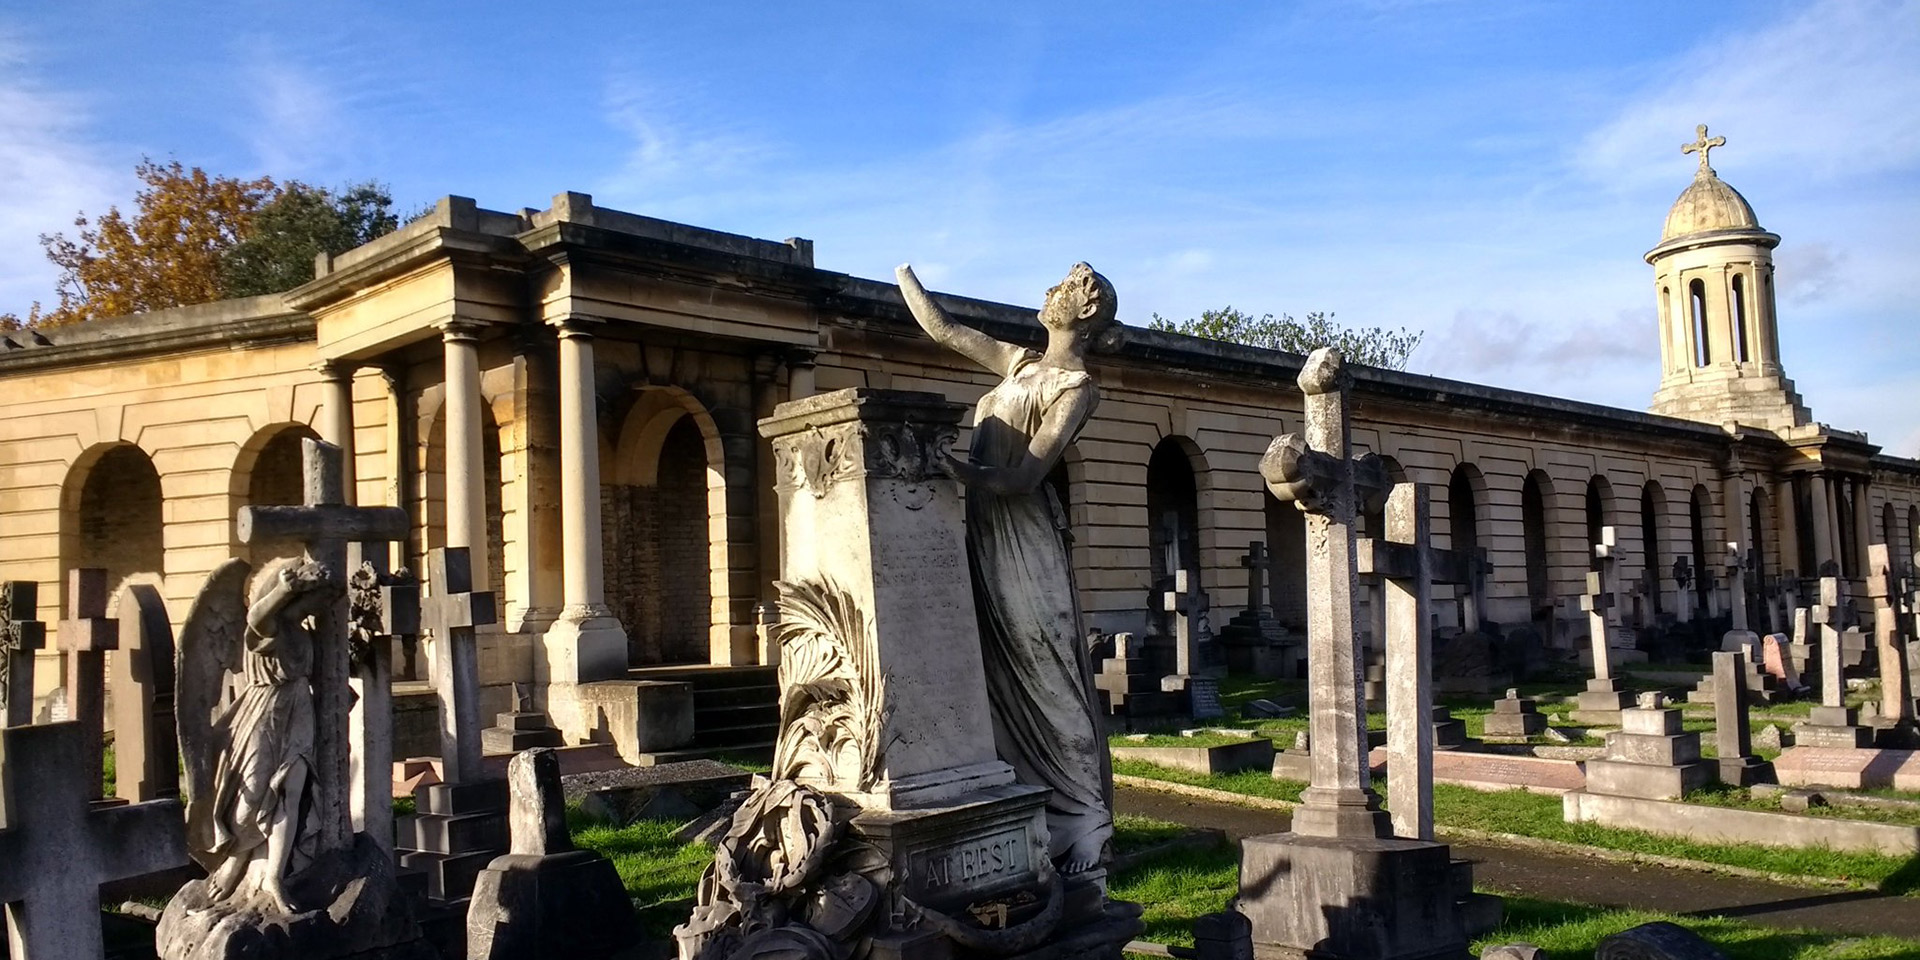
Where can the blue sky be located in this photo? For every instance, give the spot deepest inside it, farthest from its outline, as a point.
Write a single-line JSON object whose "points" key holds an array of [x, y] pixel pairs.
{"points": [[1487, 172]]}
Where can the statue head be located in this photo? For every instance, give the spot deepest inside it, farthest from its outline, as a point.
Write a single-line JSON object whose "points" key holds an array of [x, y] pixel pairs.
{"points": [[1084, 303]]}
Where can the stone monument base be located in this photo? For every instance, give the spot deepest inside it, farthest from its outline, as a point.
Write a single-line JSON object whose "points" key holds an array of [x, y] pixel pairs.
{"points": [[1340, 898], [567, 904], [1745, 771], [1600, 704], [347, 904], [1833, 727]]}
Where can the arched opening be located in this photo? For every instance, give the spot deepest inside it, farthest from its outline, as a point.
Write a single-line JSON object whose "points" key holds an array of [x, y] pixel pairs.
{"points": [[1759, 521], [1287, 540], [1739, 319], [1697, 310], [1698, 506], [433, 494], [1849, 547], [1890, 535], [1535, 493], [1807, 563], [664, 530], [1465, 490], [1599, 514], [1653, 513], [270, 471], [112, 514], [1173, 510]]}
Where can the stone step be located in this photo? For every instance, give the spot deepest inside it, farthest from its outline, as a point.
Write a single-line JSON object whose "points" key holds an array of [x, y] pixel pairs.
{"points": [[713, 718], [735, 696], [735, 735], [707, 676], [762, 752]]}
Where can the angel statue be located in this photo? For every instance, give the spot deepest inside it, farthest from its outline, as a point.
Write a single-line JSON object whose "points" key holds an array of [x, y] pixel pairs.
{"points": [[1039, 678], [247, 727]]}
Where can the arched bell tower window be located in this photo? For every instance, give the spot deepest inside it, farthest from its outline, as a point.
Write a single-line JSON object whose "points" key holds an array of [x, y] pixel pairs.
{"points": [[1739, 319], [1697, 308]]}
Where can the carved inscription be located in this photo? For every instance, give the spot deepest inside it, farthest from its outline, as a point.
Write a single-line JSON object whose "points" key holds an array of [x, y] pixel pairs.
{"points": [[976, 863]]}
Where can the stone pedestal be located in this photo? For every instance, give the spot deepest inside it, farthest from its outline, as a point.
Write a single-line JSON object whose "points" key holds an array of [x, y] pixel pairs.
{"points": [[1127, 685], [1833, 727], [457, 829], [1350, 897], [1649, 757], [1600, 704], [1448, 733], [1514, 718], [517, 730]]}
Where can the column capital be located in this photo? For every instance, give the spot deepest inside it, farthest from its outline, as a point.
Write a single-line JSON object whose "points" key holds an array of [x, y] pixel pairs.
{"points": [[335, 368], [460, 329], [575, 325]]}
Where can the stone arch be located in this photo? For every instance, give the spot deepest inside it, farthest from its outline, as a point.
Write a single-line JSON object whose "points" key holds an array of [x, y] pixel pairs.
{"points": [[1468, 524], [268, 471], [664, 529], [1600, 513], [432, 506], [1654, 559], [1760, 526], [1176, 476], [1700, 541], [112, 514], [1537, 536]]}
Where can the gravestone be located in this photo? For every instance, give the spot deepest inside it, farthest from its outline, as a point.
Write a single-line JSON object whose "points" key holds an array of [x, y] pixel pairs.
{"points": [[1732, 739], [1127, 683], [1649, 756], [1741, 637], [1890, 637], [57, 847], [1341, 884], [1254, 641], [1776, 657], [522, 728], [1658, 940], [1514, 718], [543, 897], [382, 608], [146, 745], [1832, 723], [85, 637], [22, 636], [1201, 691], [1682, 575], [1603, 699]]}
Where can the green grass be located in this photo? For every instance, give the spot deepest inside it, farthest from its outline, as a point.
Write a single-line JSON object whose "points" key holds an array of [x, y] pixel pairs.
{"points": [[660, 871], [1568, 931], [1739, 799], [1176, 740], [1178, 886], [1253, 783]]}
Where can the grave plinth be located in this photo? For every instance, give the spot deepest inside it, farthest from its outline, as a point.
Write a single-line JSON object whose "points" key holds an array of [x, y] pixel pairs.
{"points": [[1649, 756], [1602, 701], [1832, 723], [1514, 717]]}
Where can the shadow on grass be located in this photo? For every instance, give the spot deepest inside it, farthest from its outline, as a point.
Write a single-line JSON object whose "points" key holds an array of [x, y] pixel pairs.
{"points": [[1568, 931]]}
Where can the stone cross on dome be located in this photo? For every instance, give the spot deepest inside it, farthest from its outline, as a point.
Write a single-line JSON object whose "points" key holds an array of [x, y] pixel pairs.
{"points": [[1702, 146]]}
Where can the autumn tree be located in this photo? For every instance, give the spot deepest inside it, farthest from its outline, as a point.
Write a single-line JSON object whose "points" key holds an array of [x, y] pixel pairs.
{"points": [[195, 238], [1373, 346]]}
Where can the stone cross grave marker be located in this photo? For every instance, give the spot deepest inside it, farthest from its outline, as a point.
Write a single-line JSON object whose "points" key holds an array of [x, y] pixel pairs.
{"points": [[86, 636], [1406, 563], [1737, 563], [1683, 597], [1896, 690], [1257, 563], [1829, 614], [22, 636], [383, 608], [1599, 602], [1319, 474], [1732, 733], [1203, 692], [325, 524], [450, 612], [57, 847]]}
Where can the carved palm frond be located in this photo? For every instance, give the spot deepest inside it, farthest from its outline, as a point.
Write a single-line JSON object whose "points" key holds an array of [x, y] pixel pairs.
{"points": [[829, 677]]}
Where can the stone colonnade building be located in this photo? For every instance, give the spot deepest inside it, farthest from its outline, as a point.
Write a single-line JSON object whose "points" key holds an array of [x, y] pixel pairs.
{"points": [[572, 392]]}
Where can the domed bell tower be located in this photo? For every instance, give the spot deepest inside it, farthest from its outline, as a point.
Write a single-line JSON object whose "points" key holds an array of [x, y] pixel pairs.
{"points": [[1719, 340]]}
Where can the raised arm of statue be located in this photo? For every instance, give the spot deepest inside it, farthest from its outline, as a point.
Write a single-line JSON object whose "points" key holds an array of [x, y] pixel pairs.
{"points": [[945, 331]]}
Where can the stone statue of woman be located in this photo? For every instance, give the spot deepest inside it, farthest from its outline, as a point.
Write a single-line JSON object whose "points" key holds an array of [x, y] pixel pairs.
{"points": [[1039, 679]]}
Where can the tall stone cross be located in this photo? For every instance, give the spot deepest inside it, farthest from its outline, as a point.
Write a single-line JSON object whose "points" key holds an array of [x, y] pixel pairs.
{"points": [[383, 607], [22, 635], [1184, 604], [86, 636], [1737, 563], [1319, 475], [1896, 684], [1408, 566], [450, 612], [57, 847], [1170, 551], [1599, 602], [326, 525], [1257, 563], [1830, 615], [1683, 597], [1702, 145]]}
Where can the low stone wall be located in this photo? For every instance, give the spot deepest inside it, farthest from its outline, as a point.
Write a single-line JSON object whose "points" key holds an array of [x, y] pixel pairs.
{"points": [[1852, 769], [1254, 754], [1708, 824]]}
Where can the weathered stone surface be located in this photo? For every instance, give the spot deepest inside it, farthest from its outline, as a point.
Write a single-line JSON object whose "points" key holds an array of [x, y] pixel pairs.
{"points": [[1724, 825], [1350, 896], [669, 791], [146, 746], [1253, 754], [1659, 940], [639, 717], [1513, 951]]}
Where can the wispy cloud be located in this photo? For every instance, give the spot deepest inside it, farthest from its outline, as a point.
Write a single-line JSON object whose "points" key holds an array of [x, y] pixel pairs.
{"points": [[298, 125], [49, 170]]}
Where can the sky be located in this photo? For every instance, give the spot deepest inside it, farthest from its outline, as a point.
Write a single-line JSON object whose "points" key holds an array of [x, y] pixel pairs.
{"points": [[1488, 173]]}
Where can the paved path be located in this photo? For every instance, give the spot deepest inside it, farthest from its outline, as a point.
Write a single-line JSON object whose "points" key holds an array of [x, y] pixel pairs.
{"points": [[1578, 879]]}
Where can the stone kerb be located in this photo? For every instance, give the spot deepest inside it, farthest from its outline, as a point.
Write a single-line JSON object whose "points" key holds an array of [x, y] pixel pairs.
{"points": [[872, 527]]}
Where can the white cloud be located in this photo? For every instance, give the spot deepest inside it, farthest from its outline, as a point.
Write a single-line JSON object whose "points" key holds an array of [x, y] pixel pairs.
{"points": [[50, 169], [298, 126]]}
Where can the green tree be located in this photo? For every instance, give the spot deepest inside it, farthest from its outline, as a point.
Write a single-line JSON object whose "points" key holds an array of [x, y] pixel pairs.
{"points": [[1373, 346], [195, 238]]}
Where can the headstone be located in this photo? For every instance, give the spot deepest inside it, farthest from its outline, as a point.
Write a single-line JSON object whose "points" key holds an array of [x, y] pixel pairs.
{"points": [[1340, 884], [1777, 661], [1254, 641], [1649, 756], [22, 636], [85, 636], [1604, 697], [450, 612], [1658, 940], [1832, 723], [1768, 738], [1738, 765], [1184, 603], [1223, 936], [340, 899], [1682, 596], [1513, 951], [543, 897], [1739, 563], [1514, 717], [146, 745], [1890, 636], [1127, 683], [382, 608], [57, 847]]}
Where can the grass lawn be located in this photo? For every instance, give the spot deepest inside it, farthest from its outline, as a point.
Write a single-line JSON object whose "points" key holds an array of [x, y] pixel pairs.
{"points": [[1721, 796], [1569, 931], [661, 872], [1176, 740]]}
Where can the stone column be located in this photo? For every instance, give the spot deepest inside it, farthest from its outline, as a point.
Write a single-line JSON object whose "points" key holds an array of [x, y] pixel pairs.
{"points": [[336, 416], [586, 643], [1823, 523], [465, 468]]}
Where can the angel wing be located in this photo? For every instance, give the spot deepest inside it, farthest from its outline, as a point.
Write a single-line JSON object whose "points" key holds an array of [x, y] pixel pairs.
{"points": [[210, 647]]}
